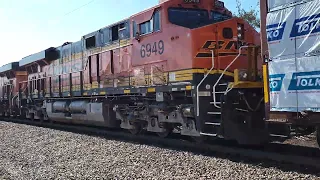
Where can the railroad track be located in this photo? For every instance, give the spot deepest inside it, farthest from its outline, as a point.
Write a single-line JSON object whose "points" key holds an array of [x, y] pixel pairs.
{"points": [[289, 154]]}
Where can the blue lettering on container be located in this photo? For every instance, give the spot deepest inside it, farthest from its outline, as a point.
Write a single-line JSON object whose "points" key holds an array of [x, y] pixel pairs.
{"points": [[306, 25], [305, 81], [275, 81], [275, 31]]}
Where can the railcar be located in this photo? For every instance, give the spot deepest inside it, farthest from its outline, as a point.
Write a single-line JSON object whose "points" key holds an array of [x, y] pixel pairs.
{"points": [[290, 49], [182, 66]]}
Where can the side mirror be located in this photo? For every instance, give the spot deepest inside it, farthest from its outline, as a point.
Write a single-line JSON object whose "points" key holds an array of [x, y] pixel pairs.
{"points": [[137, 36]]}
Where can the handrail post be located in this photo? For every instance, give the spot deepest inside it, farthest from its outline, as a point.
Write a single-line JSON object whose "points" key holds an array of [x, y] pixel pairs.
{"points": [[222, 74], [198, 111]]}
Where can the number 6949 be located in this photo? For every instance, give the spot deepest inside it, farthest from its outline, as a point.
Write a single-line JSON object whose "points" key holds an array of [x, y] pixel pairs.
{"points": [[152, 48]]}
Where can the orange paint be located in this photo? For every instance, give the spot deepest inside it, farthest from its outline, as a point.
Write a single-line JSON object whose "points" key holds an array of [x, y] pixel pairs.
{"points": [[170, 47]]}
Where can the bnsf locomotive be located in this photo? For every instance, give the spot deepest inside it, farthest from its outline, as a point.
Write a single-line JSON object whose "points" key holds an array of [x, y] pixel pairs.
{"points": [[183, 66]]}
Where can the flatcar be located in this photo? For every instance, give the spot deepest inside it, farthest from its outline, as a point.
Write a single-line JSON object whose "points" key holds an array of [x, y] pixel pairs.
{"points": [[187, 67]]}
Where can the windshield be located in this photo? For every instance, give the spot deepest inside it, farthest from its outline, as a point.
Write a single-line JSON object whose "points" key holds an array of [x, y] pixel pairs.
{"points": [[194, 18], [189, 18], [218, 17]]}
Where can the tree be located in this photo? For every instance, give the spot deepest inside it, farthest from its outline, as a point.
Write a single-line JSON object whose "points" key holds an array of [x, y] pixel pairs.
{"points": [[251, 16]]}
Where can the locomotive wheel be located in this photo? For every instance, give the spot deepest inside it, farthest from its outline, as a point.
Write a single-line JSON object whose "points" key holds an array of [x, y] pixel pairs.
{"points": [[41, 118], [31, 116], [136, 130], [165, 134]]}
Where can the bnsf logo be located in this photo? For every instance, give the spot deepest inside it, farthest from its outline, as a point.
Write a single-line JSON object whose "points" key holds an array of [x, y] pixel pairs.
{"points": [[306, 25], [275, 31]]}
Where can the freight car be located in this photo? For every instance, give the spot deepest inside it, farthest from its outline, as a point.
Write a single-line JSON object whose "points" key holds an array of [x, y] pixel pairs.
{"points": [[290, 48], [186, 67]]}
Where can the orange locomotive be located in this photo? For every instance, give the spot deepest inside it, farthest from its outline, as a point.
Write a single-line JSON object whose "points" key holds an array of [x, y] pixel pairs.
{"points": [[176, 67]]}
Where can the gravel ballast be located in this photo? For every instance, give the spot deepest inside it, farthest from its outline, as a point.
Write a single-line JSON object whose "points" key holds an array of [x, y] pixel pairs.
{"points": [[28, 152]]}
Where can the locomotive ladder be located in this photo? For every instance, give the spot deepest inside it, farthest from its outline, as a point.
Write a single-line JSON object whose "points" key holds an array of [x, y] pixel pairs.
{"points": [[215, 94]]}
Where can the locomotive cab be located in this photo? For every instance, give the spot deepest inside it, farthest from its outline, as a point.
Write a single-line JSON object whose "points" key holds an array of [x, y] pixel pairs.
{"points": [[192, 35]]}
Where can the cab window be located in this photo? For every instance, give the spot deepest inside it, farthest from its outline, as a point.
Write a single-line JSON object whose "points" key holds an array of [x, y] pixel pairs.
{"points": [[146, 27], [124, 30], [153, 25], [227, 33], [189, 18], [218, 17]]}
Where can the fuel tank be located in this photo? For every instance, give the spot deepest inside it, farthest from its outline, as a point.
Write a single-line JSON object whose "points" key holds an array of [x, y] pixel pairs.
{"points": [[78, 107], [60, 106]]}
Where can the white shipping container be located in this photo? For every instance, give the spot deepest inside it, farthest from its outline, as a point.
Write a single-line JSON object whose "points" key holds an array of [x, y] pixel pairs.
{"points": [[279, 24], [274, 5], [281, 72], [294, 49]]}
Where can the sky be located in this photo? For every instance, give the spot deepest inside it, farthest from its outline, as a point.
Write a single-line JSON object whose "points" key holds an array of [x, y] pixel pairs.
{"points": [[30, 26]]}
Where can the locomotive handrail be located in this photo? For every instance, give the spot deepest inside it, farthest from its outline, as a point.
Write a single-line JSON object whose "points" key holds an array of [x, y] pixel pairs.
{"points": [[12, 100], [76, 71], [222, 74], [17, 95], [83, 69], [39, 78], [204, 78], [86, 62]]}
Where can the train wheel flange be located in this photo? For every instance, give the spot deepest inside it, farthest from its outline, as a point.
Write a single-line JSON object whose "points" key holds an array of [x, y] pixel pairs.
{"points": [[136, 129], [32, 117], [165, 133]]}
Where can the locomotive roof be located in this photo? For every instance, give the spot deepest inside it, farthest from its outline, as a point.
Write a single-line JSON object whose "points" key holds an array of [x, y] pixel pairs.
{"points": [[9, 67], [108, 26], [148, 9], [48, 54], [54, 52]]}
